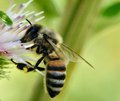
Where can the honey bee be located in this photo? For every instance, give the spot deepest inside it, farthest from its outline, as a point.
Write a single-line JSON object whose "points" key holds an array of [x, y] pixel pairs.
{"points": [[55, 56]]}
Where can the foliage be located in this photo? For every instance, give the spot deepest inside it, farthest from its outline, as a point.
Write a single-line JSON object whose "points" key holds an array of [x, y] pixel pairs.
{"points": [[3, 65]]}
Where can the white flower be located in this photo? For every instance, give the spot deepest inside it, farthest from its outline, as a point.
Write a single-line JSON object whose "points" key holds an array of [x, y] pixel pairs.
{"points": [[10, 45]]}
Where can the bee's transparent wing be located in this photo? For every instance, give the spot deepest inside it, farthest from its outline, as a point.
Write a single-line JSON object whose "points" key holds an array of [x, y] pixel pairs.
{"points": [[67, 53], [72, 55]]}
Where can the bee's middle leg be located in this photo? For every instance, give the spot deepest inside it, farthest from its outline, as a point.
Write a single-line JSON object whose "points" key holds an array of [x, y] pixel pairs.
{"points": [[39, 61]]}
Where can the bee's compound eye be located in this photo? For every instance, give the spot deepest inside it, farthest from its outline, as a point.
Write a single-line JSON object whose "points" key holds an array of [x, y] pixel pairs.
{"points": [[5, 18]]}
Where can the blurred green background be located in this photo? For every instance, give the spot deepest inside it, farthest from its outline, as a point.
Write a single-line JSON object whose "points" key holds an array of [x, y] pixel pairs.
{"points": [[90, 27]]}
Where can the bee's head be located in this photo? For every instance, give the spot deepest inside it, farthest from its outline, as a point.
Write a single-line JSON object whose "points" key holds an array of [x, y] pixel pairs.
{"points": [[31, 33]]}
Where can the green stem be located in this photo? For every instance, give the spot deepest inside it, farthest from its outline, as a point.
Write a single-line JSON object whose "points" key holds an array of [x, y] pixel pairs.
{"points": [[78, 22], [78, 26], [38, 89]]}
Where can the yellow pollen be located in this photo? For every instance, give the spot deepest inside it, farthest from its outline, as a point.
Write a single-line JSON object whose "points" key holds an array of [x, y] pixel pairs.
{"points": [[25, 69]]}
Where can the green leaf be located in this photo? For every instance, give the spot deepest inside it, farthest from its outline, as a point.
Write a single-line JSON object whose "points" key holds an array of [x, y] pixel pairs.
{"points": [[5, 18], [112, 10], [3, 65]]}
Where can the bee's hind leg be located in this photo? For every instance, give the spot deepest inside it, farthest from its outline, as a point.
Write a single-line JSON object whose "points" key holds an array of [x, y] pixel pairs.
{"points": [[39, 68], [23, 66], [26, 68]]}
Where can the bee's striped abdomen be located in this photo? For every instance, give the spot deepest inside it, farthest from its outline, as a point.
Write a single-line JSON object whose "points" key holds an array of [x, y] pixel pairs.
{"points": [[55, 76]]}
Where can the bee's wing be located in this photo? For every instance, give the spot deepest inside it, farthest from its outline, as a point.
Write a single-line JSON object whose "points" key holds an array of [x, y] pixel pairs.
{"points": [[72, 55], [67, 53]]}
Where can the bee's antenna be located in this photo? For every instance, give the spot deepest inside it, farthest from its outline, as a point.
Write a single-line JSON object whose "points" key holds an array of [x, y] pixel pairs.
{"points": [[29, 22]]}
